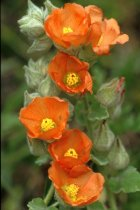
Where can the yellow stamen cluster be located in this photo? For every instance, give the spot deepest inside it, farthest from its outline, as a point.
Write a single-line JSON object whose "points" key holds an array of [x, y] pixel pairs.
{"points": [[67, 30], [47, 124], [71, 153], [71, 190], [100, 41], [72, 79]]}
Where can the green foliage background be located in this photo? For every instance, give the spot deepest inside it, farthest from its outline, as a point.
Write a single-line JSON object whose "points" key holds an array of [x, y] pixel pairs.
{"points": [[21, 178]]}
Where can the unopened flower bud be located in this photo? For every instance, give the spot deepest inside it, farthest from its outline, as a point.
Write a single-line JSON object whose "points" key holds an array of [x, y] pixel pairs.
{"points": [[35, 72], [118, 157], [111, 93], [103, 137], [32, 23], [48, 88], [28, 97], [37, 147]]}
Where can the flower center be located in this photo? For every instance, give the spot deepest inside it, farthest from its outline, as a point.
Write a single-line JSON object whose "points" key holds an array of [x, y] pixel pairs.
{"points": [[71, 153], [71, 190], [47, 124], [100, 41], [72, 79], [67, 30]]}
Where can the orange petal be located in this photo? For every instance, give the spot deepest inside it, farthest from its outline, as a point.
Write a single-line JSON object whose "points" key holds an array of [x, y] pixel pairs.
{"points": [[96, 14], [102, 50], [122, 39]]}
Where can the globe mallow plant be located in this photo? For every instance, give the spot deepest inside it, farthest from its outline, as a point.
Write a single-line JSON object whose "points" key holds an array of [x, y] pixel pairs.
{"points": [[63, 126]]}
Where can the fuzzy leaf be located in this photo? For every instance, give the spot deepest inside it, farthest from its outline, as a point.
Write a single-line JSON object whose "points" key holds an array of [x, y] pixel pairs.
{"points": [[127, 181], [49, 6]]}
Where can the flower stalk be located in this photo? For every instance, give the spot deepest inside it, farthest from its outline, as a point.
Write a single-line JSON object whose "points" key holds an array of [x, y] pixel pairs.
{"points": [[49, 195]]}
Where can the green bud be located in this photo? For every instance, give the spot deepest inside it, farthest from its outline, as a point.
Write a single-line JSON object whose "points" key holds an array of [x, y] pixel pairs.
{"points": [[28, 97], [118, 157], [41, 44], [35, 72], [32, 24], [115, 111], [48, 88], [37, 147], [111, 93], [103, 137]]}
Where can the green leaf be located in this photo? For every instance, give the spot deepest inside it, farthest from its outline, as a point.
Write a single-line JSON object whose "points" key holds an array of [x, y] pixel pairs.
{"points": [[80, 113], [100, 114], [96, 206], [97, 112], [133, 201], [127, 181], [43, 159], [51, 208], [38, 204]]}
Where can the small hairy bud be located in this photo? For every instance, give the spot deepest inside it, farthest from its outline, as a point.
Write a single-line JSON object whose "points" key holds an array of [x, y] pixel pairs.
{"points": [[48, 88], [118, 157], [111, 93], [35, 72], [32, 24], [103, 137], [37, 147]]}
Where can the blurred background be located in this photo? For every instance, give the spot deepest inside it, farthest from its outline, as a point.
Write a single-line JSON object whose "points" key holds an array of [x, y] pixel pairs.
{"points": [[21, 178]]}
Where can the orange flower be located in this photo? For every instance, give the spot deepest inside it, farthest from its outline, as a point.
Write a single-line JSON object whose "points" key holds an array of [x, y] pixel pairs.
{"points": [[68, 26], [78, 191], [95, 13], [45, 118], [70, 74], [72, 149], [105, 34]]}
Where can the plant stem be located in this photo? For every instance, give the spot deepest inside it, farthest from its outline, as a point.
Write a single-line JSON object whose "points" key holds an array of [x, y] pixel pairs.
{"points": [[55, 204], [111, 196], [49, 195], [112, 201], [89, 125]]}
